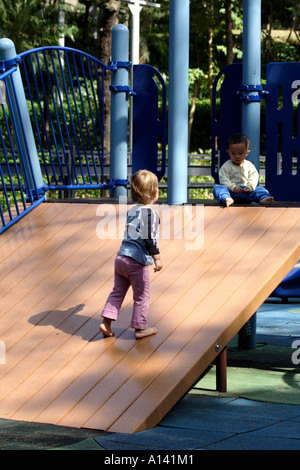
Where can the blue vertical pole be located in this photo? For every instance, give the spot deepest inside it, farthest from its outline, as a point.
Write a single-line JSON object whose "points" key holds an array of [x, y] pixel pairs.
{"points": [[251, 115], [178, 101], [119, 109], [23, 124], [252, 75]]}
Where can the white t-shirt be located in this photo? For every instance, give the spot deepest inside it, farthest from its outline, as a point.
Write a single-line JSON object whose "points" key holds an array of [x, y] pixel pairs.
{"points": [[231, 175]]}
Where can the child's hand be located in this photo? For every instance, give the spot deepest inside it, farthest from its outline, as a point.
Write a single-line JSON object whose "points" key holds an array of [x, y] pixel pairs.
{"points": [[246, 189], [157, 265], [237, 189]]}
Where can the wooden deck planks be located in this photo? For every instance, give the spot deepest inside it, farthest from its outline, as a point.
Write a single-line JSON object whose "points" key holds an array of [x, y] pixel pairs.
{"points": [[215, 327], [58, 367]]}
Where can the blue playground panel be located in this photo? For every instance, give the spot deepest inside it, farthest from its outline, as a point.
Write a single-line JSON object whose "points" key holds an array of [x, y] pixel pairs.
{"points": [[290, 286], [149, 123], [282, 124], [226, 113], [282, 131]]}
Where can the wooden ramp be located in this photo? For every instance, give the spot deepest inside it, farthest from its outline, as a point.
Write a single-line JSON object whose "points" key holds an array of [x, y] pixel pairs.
{"points": [[55, 277]]}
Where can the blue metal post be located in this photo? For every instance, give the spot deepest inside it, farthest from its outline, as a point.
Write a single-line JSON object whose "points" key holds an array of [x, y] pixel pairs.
{"points": [[24, 129], [178, 101], [251, 114], [119, 109], [252, 75]]}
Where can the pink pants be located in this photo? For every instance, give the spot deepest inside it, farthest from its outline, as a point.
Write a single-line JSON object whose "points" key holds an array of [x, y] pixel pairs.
{"points": [[129, 272]]}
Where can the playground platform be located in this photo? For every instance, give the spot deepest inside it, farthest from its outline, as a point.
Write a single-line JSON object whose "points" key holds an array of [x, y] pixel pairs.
{"points": [[56, 274]]}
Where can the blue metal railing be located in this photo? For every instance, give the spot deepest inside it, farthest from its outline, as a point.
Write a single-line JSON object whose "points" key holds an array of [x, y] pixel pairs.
{"points": [[65, 88], [64, 91], [52, 123], [15, 201]]}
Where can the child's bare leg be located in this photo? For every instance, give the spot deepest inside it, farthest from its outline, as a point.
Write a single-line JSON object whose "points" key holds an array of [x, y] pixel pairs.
{"points": [[105, 327], [228, 201], [267, 201], [146, 332]]}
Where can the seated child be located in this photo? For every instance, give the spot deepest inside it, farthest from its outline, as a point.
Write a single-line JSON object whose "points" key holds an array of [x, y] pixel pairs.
{"points": [[238, 177]]}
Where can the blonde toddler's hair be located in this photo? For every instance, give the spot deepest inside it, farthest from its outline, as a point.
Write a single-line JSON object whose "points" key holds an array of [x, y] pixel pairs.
{"points": [[144, 185]]}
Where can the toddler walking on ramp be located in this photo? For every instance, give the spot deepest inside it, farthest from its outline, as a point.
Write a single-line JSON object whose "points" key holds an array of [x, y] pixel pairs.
{"points": [[138, 250]]}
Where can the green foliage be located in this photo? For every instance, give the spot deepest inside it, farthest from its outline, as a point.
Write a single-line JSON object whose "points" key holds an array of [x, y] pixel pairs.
{"points": [[201, 135], [32, 23]]}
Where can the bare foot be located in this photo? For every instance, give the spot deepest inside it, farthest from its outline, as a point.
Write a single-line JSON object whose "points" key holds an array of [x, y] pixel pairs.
{"points": [[228, 201], [267, 201], [147, 332], [106, 330]]}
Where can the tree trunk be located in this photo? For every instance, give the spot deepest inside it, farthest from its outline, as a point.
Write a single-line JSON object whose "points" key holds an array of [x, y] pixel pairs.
{"points": [[210, 61], [108, 19], [192, 112], [193, 104], [229, 40], [210, 50]]}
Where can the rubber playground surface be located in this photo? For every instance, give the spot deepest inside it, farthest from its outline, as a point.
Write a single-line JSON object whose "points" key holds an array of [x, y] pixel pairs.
{"points": [[259, 411]]}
